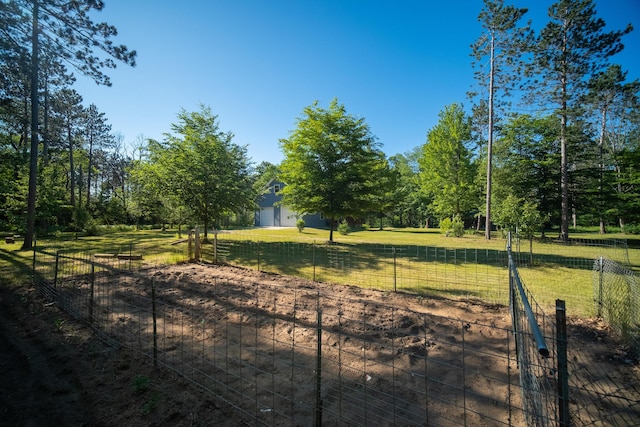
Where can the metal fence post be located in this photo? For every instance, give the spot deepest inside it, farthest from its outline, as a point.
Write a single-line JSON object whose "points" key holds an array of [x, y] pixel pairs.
{"points": [[55, 273], [600, 283], [33, 269], [313, 259], [215, 246], [91, 291], [155, 330], [395, 276], [563, 370], [319, 372]]}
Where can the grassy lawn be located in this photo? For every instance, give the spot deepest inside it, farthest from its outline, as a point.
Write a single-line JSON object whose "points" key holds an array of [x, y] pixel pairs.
{"points": [[559, 271], [465, 267]]}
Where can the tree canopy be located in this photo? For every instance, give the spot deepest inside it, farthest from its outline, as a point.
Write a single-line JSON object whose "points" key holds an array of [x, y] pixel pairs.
{"points": [[332, 165], [60, 32], [200, 165], [447, 169], [503, 44], [571, 48]]}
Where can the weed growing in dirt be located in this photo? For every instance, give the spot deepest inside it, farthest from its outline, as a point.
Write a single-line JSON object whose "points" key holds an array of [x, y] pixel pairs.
{"points": [[141, 383], [58, 323], [150, 405]]}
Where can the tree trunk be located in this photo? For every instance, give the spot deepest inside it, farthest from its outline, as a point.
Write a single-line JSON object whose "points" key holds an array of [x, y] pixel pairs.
{"points": [[80, 181], [564, 172], [564, 178], [33, 163], [603, 229], [89, 169], [331, 229], [45, 133], [487, 230], [72, 171]]}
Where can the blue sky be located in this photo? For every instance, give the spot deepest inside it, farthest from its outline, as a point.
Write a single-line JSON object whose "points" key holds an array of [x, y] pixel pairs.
{"points": [[258, 63]]}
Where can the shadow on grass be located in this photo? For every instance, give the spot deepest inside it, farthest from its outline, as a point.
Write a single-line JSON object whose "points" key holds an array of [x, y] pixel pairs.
{"points": [[299, 258], [15, 266]]}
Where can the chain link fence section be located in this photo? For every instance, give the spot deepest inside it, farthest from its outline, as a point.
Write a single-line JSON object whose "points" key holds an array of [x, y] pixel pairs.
{"points": [[616, 291]]}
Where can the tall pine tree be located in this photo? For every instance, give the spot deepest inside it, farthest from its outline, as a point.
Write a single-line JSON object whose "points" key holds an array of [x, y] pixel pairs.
{"points": [[571, 48], [64, 30], [503, 44]]}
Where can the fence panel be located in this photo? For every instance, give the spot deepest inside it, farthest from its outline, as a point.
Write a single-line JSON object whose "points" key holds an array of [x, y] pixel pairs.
{"points": [[284, 355], [287, 354]]}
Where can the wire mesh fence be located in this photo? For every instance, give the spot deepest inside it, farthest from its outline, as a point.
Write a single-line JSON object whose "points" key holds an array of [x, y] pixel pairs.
{"points": [[616, 291], [537, 364], [304, 353], [552, 269], [297, 354], [461, 273]]}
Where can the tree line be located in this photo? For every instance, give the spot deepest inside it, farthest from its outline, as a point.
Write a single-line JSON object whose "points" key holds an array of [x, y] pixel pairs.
{"points": [[572, 160]]}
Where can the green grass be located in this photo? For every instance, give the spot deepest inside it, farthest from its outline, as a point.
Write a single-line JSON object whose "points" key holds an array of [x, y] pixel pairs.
{"points": [[559, 271]]}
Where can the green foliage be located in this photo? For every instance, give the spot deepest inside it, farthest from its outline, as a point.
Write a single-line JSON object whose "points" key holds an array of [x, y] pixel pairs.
{"points": [[572, 47], [150, 404], [199, 168], [409, 205], [632, 228], [263, 174], [140, 383], [332, 165], [527, 164], [452, 226], [365, 226], [300, 224], [516, 215], [91, 227], [447, 170], [80, 219], [343, 228]]}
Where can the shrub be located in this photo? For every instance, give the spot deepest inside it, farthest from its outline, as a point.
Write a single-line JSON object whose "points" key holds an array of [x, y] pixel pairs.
{"points": [[445, 226], [91, 228], [365, 226], [632, 228], [300, 225], [343, 228], [453, 226]]}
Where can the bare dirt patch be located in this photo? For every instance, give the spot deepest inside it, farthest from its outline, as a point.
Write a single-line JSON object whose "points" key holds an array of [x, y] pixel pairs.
{"points": [[54, 371]]}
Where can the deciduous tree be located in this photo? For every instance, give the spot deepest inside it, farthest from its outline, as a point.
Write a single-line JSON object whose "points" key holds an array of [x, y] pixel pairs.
{"points": [[199, 164], [447, 168], [332, 165]]}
